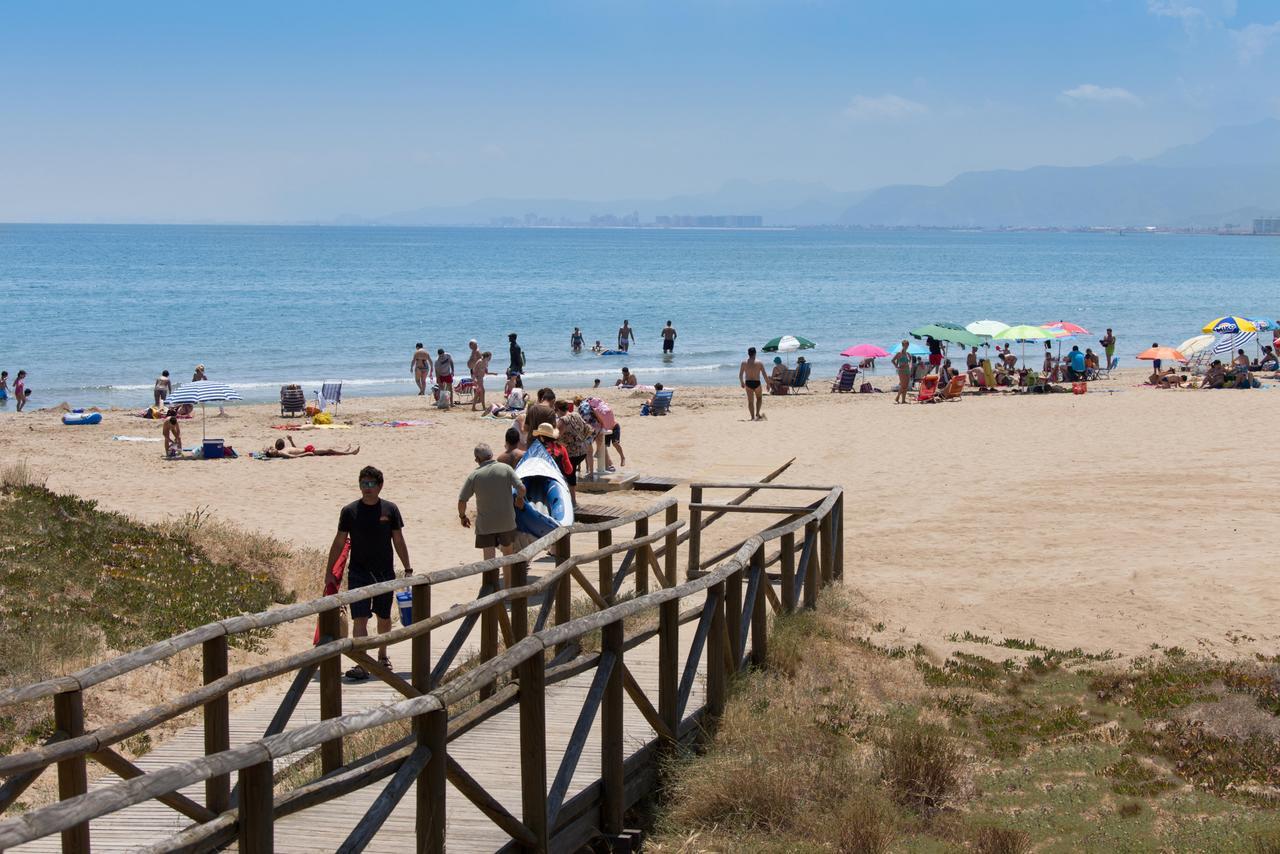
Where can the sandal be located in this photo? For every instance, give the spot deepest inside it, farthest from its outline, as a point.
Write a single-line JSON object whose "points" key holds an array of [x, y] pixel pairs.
{"points": [[385, 661], [357, 674]]}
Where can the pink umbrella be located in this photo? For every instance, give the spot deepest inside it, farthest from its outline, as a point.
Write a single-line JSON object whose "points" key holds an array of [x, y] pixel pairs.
{"points": [[1066, 326], [864, 351]]}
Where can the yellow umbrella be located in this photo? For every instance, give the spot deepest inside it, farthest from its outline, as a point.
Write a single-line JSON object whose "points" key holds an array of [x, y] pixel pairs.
{"points": [[1230, 325]]}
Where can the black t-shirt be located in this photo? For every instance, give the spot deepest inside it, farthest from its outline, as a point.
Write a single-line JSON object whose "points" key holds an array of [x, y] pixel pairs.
{"points": [[370, 527], [935, 346]]}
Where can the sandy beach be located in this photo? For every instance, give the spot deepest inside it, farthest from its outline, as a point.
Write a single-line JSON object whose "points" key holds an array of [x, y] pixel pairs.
{"points": [[1115, 520]]}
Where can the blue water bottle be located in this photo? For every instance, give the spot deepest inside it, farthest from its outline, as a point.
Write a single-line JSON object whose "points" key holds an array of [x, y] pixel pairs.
{"points": [[404, 599]]}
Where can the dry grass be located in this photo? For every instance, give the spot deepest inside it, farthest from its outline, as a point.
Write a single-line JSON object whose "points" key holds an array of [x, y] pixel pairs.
{"points": [[991, 839], [18, 474], [920, 764]]}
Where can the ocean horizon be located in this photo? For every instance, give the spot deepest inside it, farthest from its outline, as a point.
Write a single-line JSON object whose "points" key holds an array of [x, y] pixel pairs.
{"points": [[95, 312]]}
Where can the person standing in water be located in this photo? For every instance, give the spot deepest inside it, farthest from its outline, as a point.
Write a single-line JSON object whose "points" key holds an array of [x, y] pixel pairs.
{"points": [[20, 392], [668, 339], [198, 376], [575, 340], [751, 376], [420, 366], [517, 356], [626, 336], [163, 388]]}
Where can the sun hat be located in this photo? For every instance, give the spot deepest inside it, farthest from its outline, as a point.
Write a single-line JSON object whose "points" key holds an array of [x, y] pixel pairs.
{"points": [[545, 429]]}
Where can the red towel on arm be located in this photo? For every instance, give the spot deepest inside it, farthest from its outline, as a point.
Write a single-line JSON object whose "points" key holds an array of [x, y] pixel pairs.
{"points": [[333, 579]]}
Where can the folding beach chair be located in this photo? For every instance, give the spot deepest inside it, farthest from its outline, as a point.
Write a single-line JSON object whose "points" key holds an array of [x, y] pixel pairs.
{"points": [[293, 400], [954, 388], [1111, 366], [845, 379], [661, 402], [330, 393], [928, 388]]}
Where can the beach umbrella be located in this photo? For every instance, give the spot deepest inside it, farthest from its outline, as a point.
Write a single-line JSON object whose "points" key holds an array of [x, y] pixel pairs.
{"points": [[987, 328], [1265, 324], [864, 351], [951, 332], [914, 348], [1195, 344], [1066, 326], [788, 344], [1023, 333], [1152, 353], [1230, 325], [202, 392]]}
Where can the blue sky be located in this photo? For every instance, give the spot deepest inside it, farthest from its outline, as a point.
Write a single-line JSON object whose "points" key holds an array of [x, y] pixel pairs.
{"points": [[304, 111]]}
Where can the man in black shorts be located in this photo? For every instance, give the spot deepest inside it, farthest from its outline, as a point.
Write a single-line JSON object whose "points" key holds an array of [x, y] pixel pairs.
{"points": [[374, 525], [668, 338]]}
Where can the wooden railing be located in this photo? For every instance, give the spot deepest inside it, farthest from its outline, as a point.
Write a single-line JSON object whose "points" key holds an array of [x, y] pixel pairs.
{"points": [[729, 602]]}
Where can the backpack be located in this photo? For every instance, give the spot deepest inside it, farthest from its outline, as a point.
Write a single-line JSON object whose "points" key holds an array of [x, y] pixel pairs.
{"points": [[603, 414]]}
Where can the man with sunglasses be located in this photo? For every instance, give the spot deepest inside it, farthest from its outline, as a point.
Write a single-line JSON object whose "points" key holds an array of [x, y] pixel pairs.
{"points": [[375, 527]]}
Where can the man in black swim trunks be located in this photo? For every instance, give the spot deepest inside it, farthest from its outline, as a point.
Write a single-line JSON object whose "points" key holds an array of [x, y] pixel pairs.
{"points": [[751, 375], [668, 338], [374, 525]]}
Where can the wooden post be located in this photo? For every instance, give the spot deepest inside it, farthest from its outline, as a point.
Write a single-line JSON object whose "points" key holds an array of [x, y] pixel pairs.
{"points": [[613, 804], [759, 611], [641, 562], [605, 539], [669, 635], [420, 646], [257, 831], [788, 561], [733, 614], [533, 749], [489, 627], [811, 573], [330, 691], [695, 533], [520, 606], [717, 673], [564, 589], [828, 554], [217, 724], [839, 534], [433, 734], [73, 775]]}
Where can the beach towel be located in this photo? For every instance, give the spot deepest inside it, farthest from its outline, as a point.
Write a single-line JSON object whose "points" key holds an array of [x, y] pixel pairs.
{"points": [[411, 423], [137, 438], [333, 579], [603, 413]]}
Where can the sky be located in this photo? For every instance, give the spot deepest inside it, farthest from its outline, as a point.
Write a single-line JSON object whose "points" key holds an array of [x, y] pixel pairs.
{"points": [[286, 112]]}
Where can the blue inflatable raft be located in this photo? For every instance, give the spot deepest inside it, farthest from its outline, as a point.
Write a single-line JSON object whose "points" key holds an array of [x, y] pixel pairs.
{"points": [[82, 418], [547, 503]]}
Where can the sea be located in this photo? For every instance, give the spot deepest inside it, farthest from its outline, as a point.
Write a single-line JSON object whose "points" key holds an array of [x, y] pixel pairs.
{"points": [[93, 313]]}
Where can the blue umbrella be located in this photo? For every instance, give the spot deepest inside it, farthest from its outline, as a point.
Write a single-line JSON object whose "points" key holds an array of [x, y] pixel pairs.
{"points": [[202, 392], [915, 348]]}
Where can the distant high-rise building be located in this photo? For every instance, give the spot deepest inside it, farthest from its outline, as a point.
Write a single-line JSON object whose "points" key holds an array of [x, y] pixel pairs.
{"points": [[708, 221], [1266, 226]]}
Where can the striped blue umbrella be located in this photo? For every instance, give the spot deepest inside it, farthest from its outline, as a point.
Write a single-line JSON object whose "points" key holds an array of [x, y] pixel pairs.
{"points": [[202, 392]]}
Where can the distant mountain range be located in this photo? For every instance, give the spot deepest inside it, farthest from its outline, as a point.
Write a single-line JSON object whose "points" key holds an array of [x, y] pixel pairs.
{"points": [[1229, 177]]}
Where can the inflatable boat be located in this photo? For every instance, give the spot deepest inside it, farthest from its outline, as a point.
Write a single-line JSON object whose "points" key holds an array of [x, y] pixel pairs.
{"points": [[547, 503], [613, 353], [82, 418]]}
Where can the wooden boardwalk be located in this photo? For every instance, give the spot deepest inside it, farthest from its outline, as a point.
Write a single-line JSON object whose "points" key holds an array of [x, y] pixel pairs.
{"points": [[486, 753]]}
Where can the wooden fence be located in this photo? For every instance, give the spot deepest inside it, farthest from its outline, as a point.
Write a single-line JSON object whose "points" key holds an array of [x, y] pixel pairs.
{"points": [[728, 597]]}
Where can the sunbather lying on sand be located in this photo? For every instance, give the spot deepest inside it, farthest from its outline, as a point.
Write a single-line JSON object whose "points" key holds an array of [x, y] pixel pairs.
{"points": [[1173, 381], [293, 452]]}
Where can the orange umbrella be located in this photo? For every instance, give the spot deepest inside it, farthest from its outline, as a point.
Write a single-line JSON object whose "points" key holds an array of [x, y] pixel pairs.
{"points": [[1153, 353]]}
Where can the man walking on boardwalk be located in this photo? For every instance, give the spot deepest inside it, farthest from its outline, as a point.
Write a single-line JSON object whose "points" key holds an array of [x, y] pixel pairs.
{"points": [[374, 525], [492, 482]]}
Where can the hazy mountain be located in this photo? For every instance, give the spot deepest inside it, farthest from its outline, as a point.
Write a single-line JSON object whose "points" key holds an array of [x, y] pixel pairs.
{"points": [[1232, 170]]}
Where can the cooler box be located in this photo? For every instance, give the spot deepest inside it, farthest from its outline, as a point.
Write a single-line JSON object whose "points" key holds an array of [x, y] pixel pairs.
{"points": [[213, 449]]}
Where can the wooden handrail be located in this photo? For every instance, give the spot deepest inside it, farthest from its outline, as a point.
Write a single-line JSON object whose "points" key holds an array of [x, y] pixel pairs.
{"points": [[747, 560]]}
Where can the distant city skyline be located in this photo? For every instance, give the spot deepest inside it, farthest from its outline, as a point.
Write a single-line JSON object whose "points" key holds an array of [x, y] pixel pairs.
{"points": [[295, 112]]}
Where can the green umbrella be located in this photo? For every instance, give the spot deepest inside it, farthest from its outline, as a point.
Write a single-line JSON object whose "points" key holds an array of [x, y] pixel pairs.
{"points": [[952, 332], [788, 344], [1024, 333]]}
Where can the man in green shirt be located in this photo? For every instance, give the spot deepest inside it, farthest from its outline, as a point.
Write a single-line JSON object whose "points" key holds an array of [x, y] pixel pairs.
{"points": [[491, 483]]}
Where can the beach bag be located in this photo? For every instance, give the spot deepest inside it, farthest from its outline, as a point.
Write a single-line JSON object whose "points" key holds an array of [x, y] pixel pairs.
{"points": [[602, 412], [865, 388]]}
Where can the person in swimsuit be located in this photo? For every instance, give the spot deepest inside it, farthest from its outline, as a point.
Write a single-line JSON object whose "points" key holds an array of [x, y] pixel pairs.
{"points": [[935, 352], [4, 386], [668, 338], [512, 455], [516, 352], [626, 336], [444, 373], [751, 375], [479, 371], [575, 340], [1108, 343], [20, 389], [171, 432], [293, 452], [902, 361], [598, 348], [198, 376], [628, 379], [163, 387], [420, 366]]}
